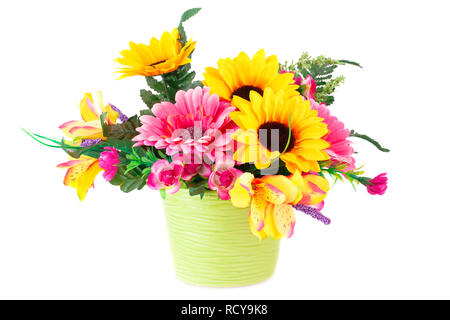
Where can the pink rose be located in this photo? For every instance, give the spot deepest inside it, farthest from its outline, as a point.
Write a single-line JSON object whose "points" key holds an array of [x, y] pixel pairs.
{"points": [[222, 179], [165, 175], [192, 164]]}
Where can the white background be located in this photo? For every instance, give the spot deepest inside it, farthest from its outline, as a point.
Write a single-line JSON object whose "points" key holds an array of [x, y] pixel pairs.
{"points": [[114, 245]]}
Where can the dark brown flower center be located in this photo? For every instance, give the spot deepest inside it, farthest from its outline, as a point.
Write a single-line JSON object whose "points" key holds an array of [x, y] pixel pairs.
{"points": [[275, 136], [244, 92], [158, 62]]}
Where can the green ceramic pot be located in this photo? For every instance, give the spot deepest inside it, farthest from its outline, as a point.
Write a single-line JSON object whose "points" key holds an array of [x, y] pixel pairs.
{"points": [[212, 244]]}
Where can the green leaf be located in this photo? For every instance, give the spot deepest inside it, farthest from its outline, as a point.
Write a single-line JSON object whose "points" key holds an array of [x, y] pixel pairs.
{"points": [[125, 145], [131, 166], [197, 186], [189, 14], [197, 191], [146, 172], [188, 77], [102, 120], [121, 131], [132, 184], [350, 62], [128, 181], [150, 98], [194, 84], [185, 17], [146, 112], [182, 32], [156, 85], [162, 155], [162, 192]]}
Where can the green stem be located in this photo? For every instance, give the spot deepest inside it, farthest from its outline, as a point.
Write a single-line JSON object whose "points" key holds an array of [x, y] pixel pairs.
{"points": [[353, 133], [166, 89], [289, 138]]}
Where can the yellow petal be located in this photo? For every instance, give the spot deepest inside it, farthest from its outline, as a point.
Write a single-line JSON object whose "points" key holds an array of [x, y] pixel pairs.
{"points": [[260, 234], [315, 144], [256, 65], [245, 180], [284, 219], [66, 127], [86, 180], [74, 172], [258, 211], [264, 157], [241, 196], [312, 154], [284, 185], [86, 132], [314, 189], [244, 106], [246, 154], [87, 108], [111, 115], [270, 227], [244, 121], [315, 132], [298, 180], [248, 137], [270, 193]]}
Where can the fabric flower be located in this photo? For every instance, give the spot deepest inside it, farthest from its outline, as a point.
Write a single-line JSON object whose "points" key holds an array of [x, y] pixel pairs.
{"points": [[81, 174], [239, 76], [275, 126], [308, 86], [158, 57], [108, 161], [192, 165], [271, 198], [198, 123], [313, 187], [378, 185], [89, 130], [222, 179], [165, 175], [340, 150]]}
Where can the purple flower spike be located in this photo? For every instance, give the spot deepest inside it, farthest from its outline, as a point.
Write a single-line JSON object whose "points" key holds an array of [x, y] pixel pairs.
{"points": [[313, 213], [89, 142], [123, 118]]}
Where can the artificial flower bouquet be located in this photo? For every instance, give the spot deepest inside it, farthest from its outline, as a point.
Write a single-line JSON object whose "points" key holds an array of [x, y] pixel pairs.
{"points": [[234, 156]]}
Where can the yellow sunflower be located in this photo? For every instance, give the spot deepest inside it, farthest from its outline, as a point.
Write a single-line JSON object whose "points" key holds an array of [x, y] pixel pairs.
{"points": [[276, 125], [240, 76], [159, 57]]}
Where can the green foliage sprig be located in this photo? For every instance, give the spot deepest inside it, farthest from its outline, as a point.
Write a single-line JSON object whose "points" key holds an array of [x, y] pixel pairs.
{"points": [[337, 172], [321, 70], [143, 158], [128, 181]]}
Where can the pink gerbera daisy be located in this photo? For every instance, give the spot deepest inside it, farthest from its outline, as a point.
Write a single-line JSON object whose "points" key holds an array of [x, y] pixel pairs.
{"points": [[198, 123], [340, 150]]}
